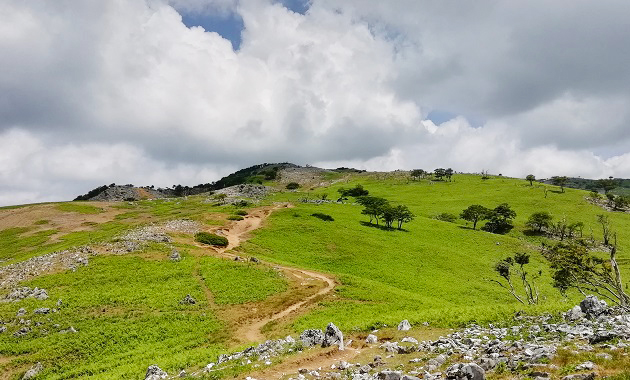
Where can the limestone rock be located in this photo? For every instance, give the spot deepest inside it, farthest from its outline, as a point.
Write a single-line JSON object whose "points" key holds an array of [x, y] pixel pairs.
{"points": [[404, 325], [333, 336], [155, 373], [312, 337], [33, 371]]}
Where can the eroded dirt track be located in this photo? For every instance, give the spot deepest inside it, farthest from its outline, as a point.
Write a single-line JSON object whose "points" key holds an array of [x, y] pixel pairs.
{"points": [[236, 233]]}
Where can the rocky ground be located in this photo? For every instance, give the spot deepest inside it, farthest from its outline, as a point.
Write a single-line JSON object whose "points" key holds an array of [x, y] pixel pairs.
{"points": [[11, 275], [127, 193], [527, 349]]}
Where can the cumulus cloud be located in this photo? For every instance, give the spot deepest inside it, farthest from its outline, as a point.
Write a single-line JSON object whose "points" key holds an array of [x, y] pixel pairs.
{"points": [[122, 91]]}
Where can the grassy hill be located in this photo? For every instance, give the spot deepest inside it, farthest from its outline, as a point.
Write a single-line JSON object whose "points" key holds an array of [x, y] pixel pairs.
{"points": [[126, 307], [435, 271]]}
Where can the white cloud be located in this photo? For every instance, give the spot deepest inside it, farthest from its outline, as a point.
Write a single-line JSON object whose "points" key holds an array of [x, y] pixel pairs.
{"points": [[123, 91]]}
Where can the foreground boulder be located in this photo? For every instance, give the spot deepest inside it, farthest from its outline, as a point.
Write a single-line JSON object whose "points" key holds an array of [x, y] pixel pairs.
{"points": [[592, 306], [333, 336], [155, 373], [404, 325], [467, 371], [312, 337]]}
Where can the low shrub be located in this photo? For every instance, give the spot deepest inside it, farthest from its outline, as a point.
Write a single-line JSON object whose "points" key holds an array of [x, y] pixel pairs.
{"points": [[211, 239], [446, 217], [235, 217], [292, 185], [240, 212], [324, 217]]}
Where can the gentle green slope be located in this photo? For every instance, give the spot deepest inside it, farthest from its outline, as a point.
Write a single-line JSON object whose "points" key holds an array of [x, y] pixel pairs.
{"points": [[437, 271]]}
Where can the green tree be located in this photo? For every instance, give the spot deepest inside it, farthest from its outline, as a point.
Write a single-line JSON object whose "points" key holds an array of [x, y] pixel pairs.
{"points": [[539, 220], [575, 268], [559, 181], [531, 178], [500, 219], [606, 231], [417, 174], [606, 184], [439, 174], [517, 264], [403, 215], [475, 213], [448, 173], [373, 206]]}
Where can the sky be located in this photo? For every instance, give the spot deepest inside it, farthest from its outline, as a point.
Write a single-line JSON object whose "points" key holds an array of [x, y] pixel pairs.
{"points": [[168, 92]]}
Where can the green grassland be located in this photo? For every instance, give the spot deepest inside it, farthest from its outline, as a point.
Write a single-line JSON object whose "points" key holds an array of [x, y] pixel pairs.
{"points": [[434, 271], [126, 308], [236, 283]]}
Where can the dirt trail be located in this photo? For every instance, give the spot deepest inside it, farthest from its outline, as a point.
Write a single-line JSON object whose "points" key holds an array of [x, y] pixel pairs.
{"points": [[237, 233]]}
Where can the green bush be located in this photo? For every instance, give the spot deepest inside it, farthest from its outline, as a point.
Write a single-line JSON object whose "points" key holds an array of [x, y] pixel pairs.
{"points": [[292, 185], [235, 217], [240, 212], [324, 217], [211, 239]]}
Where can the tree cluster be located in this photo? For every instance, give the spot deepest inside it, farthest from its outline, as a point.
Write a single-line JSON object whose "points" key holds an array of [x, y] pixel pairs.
{"points": [[542, 222], [379, 209], [499, 219], [439, 174]]}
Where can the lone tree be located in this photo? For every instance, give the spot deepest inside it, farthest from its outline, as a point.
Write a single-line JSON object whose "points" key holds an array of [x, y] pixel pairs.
{"points": [[539, 220], [606, 184], [575, 268], [559, 181], [475, 213], [517, 265], [500, 219], [531, 178], [605, 223], [357, 191]]}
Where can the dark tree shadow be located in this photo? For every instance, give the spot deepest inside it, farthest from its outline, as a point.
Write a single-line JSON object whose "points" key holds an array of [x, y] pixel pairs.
{"points": [[533, 233], [381, 227], [556, 191]]}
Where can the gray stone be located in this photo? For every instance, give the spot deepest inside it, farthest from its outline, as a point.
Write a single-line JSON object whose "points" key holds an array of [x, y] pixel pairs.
{"points": [[602, 336], [574, 314], [42, 310], [155, 373], [585, 366], [312, 337], [21, 332], [580, 376], [371, 339], [188, 300], [592, 306], [409, 339], [3, 329], [409, 377], [389, 375], [404, 325], [33, 371], [254, 260], [468, 371], [21, 312], [333, 336], [175, 256]]}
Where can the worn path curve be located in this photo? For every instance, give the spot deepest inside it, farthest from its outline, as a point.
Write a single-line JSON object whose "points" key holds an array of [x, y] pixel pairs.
{"points": [[236, 233]]}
